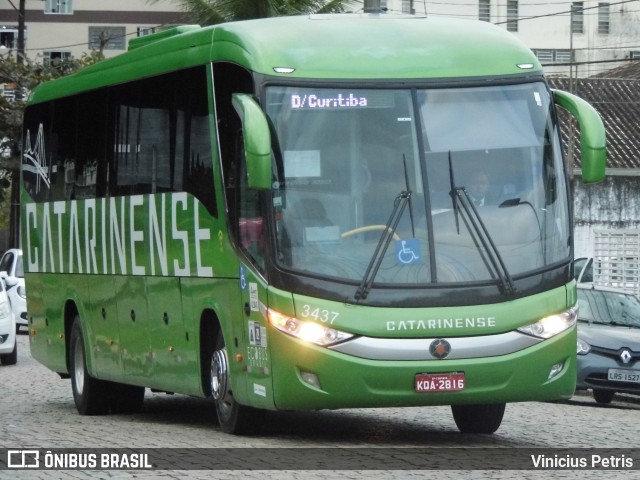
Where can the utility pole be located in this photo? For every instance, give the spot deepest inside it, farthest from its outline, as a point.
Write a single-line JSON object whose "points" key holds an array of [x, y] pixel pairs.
{"points": [[14, 209], [21, 28]]}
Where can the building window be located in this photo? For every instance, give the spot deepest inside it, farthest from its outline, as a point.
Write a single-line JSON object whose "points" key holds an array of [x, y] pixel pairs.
{"points": [[61, 7], [603, 18], [484, 10], [407, 7], [545, 56], [107, 38], [548, 55], [55, 58], [512, 15], [8, 37], [577, 17], [634, 55], [142, 31], [562, 56]]}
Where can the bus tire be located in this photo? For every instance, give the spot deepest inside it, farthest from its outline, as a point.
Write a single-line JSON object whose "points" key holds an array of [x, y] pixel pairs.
{"points": [[484, 418], [10, 358], [232, 417], [90, 395]]}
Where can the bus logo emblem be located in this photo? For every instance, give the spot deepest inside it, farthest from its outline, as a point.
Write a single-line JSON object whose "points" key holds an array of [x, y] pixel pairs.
{"points": [[440, 348]]}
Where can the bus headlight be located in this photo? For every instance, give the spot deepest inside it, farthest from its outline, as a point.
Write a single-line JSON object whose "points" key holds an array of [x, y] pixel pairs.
{"points": [[308, 331], [552, 325]]}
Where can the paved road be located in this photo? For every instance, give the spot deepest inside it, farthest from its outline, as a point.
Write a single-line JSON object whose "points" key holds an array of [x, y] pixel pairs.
{"points": [[38, 412]]}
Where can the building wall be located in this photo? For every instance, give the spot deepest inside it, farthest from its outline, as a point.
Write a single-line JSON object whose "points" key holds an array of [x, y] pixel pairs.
{"points": [[548, 32], [550, 28], [612, 204], [70, 32]]}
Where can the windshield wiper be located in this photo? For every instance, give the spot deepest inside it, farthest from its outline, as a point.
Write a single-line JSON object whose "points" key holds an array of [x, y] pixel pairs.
{"points": [[483, 235], [459, 196], [406, 183], [399, 205], [452, 184]]}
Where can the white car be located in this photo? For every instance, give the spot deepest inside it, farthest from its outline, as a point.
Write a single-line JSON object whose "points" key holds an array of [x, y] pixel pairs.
{"points": [[8, 344], [12, 274]]}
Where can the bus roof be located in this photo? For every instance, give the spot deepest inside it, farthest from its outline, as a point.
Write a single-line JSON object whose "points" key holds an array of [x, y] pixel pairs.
{"points": [[346, 46]]}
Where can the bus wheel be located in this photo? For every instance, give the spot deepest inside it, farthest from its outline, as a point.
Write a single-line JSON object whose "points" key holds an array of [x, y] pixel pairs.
{"points": [[89, 394], [232, 417], [478, 418]]}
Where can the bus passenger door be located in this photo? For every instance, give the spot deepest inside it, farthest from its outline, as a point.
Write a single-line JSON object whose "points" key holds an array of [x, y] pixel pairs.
{"points": [[133, 323]]}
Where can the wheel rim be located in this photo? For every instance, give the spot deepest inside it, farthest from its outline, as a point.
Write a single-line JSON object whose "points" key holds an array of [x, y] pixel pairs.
{"points": [[78, 366], [220, 381]]}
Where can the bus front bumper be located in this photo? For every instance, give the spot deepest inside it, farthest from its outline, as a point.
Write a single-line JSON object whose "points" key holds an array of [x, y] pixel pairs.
{"points": [[306, 376]]}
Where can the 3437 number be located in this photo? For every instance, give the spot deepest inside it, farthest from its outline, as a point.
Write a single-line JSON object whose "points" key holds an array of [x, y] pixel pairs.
{"points": [[319, 314]]}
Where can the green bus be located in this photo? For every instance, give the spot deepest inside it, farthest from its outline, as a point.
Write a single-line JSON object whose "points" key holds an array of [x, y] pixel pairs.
{"points": [[279, 214]]}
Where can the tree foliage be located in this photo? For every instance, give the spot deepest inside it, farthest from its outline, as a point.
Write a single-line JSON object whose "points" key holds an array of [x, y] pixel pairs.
{"points": [[20, 78], [211, 12]]}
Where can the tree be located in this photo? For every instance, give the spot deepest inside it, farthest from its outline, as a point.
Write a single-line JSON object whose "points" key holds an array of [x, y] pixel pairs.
{"points": [[19, 76], [211, 12]]}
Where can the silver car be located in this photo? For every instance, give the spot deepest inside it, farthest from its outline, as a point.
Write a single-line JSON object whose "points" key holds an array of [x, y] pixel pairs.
{"points": [[12, 274], [608, 342]]}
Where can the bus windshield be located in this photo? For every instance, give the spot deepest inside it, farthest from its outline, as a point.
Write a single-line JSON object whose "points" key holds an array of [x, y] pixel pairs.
{"points": [[466, 184]]}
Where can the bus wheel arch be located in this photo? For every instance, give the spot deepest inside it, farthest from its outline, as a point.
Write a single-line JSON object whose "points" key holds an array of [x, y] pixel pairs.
{"points": [[70, 315], [216, 374], [209, 328], [89, 394]]}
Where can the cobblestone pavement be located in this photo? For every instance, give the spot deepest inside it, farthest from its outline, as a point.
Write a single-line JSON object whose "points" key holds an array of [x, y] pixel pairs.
{"points": [[38, 412]]}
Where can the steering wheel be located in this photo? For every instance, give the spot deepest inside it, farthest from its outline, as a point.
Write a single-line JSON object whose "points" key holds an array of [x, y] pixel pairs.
{"points": [[367, 228]]}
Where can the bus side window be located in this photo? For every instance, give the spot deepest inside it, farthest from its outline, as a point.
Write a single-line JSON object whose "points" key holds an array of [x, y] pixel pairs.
{"points": [[161, 137], [246, 218], [250, 218]]}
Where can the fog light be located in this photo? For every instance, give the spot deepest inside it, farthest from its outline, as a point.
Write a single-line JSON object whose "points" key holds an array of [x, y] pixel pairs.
{"points": [[556, 369], [310, 378]]}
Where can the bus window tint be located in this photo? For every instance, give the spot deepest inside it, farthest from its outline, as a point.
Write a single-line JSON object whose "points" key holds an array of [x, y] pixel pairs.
{"points": [[504, 133], [149, 136], [348, 154]]}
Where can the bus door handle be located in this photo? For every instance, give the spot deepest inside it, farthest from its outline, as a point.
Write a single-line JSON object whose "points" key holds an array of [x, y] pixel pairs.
{"points": [[247, 309]]}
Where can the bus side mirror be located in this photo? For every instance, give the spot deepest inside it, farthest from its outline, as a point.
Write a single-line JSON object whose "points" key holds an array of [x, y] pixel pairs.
{"points": [[593, 142], [257, 140]]}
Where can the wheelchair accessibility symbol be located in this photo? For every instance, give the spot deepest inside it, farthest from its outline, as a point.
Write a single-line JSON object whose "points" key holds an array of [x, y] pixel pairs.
{"points": [[408, 251]]}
